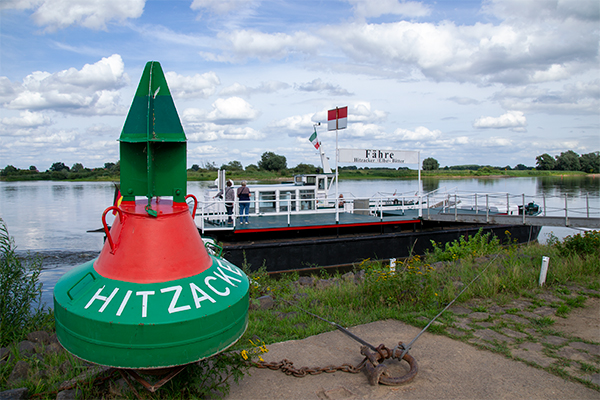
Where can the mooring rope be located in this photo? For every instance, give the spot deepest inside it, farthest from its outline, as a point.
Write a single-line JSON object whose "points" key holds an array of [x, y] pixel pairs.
{"points": [[407, 347]]}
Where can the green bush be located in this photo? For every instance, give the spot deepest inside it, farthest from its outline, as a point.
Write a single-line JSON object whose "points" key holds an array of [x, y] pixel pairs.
{"points": [[20, 291], [474, 246], [586, 244]]}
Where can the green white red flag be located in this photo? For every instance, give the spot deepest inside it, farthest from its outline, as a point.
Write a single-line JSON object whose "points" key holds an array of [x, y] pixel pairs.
{"points": [[314, 140]]}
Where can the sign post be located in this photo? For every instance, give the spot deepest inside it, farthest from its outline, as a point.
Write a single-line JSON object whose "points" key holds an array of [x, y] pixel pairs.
{"points": [[337, 119]]}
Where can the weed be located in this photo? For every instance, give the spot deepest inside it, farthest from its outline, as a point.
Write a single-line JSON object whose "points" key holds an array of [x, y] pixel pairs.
{"points": [[542, 322], [563, 310]]}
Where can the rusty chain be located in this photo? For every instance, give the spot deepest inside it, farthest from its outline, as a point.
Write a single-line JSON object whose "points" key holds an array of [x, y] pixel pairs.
{"points": [[376, 371]]}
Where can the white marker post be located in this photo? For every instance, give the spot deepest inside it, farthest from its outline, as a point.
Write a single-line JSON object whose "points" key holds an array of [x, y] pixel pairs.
{"points": [[544, 270]]}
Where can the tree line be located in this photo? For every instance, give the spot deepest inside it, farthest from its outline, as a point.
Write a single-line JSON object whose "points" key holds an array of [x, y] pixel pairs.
{"points": [[275, 163]]}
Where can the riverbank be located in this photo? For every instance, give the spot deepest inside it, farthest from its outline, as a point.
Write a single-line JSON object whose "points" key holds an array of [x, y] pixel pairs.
{"points": [[274, 176], [501, 310]]}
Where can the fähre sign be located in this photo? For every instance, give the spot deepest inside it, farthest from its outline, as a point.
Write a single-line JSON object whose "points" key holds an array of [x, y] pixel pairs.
{"points": [[377, 156]]}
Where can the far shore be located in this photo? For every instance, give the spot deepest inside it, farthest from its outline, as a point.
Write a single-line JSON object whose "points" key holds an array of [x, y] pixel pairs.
{"points": [[359, 174]]}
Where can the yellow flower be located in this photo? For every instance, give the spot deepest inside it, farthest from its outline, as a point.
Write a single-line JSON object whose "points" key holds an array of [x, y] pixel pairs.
{"points": [[245, 354]]}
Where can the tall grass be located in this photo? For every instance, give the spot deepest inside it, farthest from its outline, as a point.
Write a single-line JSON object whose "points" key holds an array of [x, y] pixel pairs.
{"points": [[20, 291]]}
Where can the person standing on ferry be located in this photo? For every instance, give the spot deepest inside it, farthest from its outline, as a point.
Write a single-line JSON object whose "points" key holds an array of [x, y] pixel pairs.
{"points": [[243, 195]]}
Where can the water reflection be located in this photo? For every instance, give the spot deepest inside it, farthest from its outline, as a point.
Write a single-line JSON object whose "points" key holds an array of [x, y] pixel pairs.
{"points": [[569, 185]]}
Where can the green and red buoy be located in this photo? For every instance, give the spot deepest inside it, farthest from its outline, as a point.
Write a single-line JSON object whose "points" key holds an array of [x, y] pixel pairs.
{"points": [[154, 298]]}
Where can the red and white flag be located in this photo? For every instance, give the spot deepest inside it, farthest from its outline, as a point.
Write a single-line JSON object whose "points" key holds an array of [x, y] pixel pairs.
{"points": [[337, 118]]}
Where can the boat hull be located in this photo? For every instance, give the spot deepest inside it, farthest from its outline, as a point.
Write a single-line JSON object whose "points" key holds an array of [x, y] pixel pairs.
{"points": [[279, 254]]}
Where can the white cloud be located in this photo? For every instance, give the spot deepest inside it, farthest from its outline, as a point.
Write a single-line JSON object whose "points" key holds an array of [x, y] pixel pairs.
{"points": [[233, 110], [254, 44], [512, 119], [296, 125], [574, 98], [27, 119], [238, 89], [419, 134], [92, 14], [370, 8], [93, 90], [555, 72], [209, 132], [196, 86], [317, 85]]}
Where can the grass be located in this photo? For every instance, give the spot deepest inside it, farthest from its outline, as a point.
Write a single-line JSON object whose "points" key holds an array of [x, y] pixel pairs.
{"points": [[415, 293]]}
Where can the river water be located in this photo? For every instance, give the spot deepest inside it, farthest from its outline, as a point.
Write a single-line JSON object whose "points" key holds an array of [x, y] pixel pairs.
{"points": [[52, 219]]}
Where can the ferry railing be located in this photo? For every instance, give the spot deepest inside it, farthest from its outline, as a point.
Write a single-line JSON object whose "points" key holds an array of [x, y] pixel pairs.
{"points": [[581, 210]]}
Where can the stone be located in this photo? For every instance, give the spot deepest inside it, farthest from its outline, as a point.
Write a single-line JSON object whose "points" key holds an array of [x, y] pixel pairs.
{"points": [[359, 277], [496, 309], [513, 334], [26, 348], [15, 394], [531, 346], [67, 395], [533, 357], [264, 303], [54, 348], [545, 311], [550, 298], [325, 283], [459, 310], [574, 354], [485, 324], [554, 340], [39, 337], [479, 316], [515, 318], [590, 348], [306, 281], [595, 379], [490, 335], [457, 332], [20, 371], [348, 277], [528, 314]]}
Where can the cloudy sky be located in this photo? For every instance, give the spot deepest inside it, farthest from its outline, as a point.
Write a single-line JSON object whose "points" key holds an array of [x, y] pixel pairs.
{"points": [[466, 82]]}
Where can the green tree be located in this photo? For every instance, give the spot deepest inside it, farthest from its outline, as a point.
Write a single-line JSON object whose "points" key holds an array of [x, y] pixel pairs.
{"points": [[304, 169], [272, 162], [545, 162], [33, 168], [251, 168], [521, 167], [58, 167], [233, 166], [567, 161], [77, 167], [430, 164], [590, 162], [195, 167], [9, 169]]}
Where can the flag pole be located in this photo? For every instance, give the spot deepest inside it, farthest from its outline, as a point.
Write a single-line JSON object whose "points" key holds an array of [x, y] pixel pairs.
{"points": [[337, 160]]}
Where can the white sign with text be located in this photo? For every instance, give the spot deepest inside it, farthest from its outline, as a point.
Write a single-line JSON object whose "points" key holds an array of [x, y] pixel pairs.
{"points": [[376, 156]]}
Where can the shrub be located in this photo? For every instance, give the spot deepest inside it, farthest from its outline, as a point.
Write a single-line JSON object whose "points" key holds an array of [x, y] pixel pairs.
{"points": [[586, 244], [20, 291]]}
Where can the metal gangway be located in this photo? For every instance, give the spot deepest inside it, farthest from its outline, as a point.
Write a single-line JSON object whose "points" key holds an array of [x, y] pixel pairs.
{"points": [[573, 211]]}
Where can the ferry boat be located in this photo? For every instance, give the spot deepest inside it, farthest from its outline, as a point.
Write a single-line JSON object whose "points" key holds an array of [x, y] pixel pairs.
{"points": [[307, 224]]}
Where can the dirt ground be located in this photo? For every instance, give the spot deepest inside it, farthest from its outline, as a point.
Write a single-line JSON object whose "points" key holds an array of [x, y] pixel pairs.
{"points": [[489, 355], [582, 322]]}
